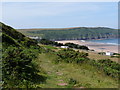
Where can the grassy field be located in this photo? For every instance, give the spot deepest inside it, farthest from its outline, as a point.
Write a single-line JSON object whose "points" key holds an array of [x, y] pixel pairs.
{"points": [[25, 32], [94, 55], [59, 75]]}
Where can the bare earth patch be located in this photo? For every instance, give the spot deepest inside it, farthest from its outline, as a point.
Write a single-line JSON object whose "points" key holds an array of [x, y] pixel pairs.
{"points": [[62, 84], [59, 73], [60, 80]]}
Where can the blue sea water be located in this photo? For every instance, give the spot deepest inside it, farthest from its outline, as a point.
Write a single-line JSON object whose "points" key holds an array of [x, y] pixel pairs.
{"points": [[107, 41]]}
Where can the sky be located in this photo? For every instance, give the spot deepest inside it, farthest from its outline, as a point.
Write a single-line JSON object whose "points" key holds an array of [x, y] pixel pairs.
{"points": [[60, 14]]}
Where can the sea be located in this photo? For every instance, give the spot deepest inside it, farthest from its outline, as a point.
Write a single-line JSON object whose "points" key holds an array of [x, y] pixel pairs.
{"points": [[107, 41]]}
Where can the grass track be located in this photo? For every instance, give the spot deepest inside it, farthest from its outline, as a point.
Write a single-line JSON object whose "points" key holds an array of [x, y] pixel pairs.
{"points": [[87, 76]]}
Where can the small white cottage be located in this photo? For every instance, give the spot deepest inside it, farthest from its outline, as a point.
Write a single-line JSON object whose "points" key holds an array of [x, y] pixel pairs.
{"points": [[34, 37], [64, 46], [109, 53]]}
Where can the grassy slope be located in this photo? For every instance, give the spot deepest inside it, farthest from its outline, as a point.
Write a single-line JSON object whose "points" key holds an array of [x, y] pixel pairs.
{"points": [[27, 52], [12, 37], [86, 75]]}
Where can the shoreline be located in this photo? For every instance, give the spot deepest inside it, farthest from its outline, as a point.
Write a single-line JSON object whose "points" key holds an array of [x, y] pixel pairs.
{"points": [[98, 47]]}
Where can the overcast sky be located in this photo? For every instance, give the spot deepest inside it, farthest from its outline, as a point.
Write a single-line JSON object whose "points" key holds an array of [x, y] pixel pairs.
{"points": [[60, 14]]}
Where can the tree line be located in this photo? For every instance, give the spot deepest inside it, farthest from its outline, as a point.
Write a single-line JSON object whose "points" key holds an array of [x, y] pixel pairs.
{"points": [[70, 45], [81, 33]]}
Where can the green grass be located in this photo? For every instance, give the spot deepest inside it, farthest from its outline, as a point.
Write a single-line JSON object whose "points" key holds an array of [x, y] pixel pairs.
{"points": [[29, 34], [86, 75]]}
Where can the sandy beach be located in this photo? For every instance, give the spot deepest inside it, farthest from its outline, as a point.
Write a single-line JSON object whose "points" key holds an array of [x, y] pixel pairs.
{"points": [[98, 47]]}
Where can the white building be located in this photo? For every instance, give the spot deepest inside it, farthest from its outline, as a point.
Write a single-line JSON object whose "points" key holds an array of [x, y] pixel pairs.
{"points": [[64, 46], [34, 37], [109, 53]]}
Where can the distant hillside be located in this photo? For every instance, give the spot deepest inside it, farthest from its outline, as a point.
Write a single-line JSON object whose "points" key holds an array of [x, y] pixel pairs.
{"points": [[79, 33]]}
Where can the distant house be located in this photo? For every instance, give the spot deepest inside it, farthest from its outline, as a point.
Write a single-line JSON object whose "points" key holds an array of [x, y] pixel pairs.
{"points": [[34, 37], [64, 46], [109, 53]]}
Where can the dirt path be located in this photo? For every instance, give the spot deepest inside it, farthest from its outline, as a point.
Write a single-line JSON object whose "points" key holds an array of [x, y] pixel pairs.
{"points": [[55, 75]]}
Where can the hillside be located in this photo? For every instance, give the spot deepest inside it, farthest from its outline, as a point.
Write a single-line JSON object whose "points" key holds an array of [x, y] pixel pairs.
{"points": [[12, 37], [66, 69], [70, 75], [27, 64], [19, 53], [79, 33]]}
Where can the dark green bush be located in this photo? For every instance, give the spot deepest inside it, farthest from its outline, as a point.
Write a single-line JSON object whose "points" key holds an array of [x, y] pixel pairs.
{"points": [[18, 53], [110, 68], [72, 56], [101, 53], [72, 81], [72, 45], [18, 67], [80, 60]]}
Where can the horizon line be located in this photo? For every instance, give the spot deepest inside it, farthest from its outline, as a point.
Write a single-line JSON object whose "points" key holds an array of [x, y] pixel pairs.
{"points": [[69, 27]]}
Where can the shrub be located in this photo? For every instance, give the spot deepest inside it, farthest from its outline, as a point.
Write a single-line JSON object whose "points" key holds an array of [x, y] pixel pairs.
{"points": [[71, 56], [80, 60], [18, 67], [72, 81], [72, 45], [110, 68], [101, 53]]}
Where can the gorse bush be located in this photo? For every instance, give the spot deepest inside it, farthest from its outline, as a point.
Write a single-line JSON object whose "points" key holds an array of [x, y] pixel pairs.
{"points": [[109, 67], [109, 63], [72, 81], [71, 56], [18, 66], [76, 46], [80, 60]]}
